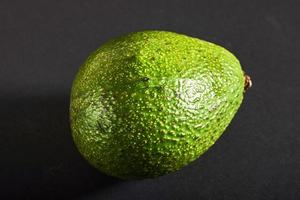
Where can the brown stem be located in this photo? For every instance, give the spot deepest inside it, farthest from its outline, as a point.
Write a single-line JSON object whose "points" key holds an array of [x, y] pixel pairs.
{"points": [[248, 82]]}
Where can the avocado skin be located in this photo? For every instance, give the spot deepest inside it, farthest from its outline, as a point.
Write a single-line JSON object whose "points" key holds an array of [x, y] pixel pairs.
{"points": [[148, 103]]}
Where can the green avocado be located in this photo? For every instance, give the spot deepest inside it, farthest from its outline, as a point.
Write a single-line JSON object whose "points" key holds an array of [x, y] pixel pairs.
{"points": [[148, 103]]}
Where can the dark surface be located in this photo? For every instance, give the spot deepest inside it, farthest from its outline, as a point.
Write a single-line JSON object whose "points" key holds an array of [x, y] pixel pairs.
{"points": [[42, 44]]}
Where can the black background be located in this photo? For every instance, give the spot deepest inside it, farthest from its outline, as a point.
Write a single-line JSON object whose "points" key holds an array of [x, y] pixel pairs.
{"points": [[42, 44]]}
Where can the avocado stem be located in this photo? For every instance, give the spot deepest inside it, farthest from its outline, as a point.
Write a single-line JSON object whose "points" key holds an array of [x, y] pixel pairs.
{"points": [[248, 82]]}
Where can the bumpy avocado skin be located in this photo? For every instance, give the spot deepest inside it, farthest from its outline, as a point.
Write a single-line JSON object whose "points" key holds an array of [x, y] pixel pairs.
{"points": [[148, 103]]}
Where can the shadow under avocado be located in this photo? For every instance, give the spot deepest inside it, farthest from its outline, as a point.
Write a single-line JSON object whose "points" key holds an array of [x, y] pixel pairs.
{"points": [[38, 156]]}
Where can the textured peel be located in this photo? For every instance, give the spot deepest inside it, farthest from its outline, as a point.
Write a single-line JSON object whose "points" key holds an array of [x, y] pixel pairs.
{"points": [[150, 102]]}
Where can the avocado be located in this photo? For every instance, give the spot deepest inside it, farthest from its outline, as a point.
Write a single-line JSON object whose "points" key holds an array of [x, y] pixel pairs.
{"points": [[149, 103]]}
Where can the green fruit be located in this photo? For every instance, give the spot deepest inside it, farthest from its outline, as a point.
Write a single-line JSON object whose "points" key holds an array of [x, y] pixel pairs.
{"points": [[151, 102]]}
